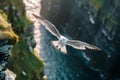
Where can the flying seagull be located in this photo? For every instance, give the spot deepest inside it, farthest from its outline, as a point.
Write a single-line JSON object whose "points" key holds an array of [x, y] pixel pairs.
{"points": [[62, 41]]}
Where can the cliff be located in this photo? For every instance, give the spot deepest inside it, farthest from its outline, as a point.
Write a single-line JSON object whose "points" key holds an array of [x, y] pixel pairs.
{"points": [[93, 21], [7, 39], [23, 62]]}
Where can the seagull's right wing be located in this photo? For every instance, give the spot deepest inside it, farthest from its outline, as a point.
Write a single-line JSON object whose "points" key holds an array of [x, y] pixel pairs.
{"points": [[81, 45], [48, 25]]}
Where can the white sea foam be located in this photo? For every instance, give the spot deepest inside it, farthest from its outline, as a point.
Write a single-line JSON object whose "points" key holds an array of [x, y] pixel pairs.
{"points": [[91, 20]]}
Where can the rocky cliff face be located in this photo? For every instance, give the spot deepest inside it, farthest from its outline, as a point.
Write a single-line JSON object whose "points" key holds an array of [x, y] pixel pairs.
{"points": [[93, 21], [26, 64]]}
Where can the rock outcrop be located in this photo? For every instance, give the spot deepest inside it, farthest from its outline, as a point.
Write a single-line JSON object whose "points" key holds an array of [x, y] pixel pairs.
{"points": [[93, 21], [10, 75]]}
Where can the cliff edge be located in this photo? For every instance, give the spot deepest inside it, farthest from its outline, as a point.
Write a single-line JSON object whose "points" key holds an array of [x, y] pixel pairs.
{"points": [[24, 63]]}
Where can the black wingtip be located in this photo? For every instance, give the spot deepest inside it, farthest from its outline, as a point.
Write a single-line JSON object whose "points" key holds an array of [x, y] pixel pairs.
{"points": [[98, 49], [38, 17], [95, 48]]}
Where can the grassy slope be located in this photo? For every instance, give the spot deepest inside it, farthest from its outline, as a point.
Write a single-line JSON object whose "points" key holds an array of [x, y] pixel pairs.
{"points": [[21, 58]]}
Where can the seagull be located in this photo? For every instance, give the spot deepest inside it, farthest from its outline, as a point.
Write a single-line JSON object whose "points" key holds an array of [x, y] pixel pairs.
{"points": [[62, 41]]}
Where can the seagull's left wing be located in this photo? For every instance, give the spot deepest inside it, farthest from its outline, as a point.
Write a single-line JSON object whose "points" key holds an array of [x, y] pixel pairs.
{"points": [[81, 45], [48, 25]]}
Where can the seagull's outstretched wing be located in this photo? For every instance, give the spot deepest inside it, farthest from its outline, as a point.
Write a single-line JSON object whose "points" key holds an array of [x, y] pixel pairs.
{"points": [[48, 25], [81, 45]]}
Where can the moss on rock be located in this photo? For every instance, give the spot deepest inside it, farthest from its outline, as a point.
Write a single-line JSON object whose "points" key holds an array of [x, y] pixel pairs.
{"points": [[6, 32], [97, 4], [22, 60]]}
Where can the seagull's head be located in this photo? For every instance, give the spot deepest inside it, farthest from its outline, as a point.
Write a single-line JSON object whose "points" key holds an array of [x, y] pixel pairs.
{"points": [[63, 40]]}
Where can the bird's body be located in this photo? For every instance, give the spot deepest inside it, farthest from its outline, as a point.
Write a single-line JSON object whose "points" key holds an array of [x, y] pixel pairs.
{"points": [[63, 41]]}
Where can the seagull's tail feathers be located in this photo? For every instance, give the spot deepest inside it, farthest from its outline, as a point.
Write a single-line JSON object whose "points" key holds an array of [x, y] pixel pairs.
{"points": [[56, 46]]}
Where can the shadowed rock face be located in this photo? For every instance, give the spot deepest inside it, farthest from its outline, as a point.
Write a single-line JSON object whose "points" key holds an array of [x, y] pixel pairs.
{"points": [[93, 21], [57, 11]]}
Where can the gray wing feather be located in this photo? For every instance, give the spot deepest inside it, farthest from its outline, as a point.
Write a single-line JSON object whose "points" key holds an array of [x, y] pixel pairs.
{"points": [[81, 45], [48, 25]]}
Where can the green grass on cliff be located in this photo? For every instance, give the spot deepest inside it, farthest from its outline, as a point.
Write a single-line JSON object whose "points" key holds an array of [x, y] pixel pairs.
{"points": [[6, 32], [97, 3], [15, 10], [22, 59]]}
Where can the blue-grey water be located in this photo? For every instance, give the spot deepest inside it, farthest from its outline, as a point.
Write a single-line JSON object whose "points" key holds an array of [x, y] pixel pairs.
{"points": [[72, 66]]}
